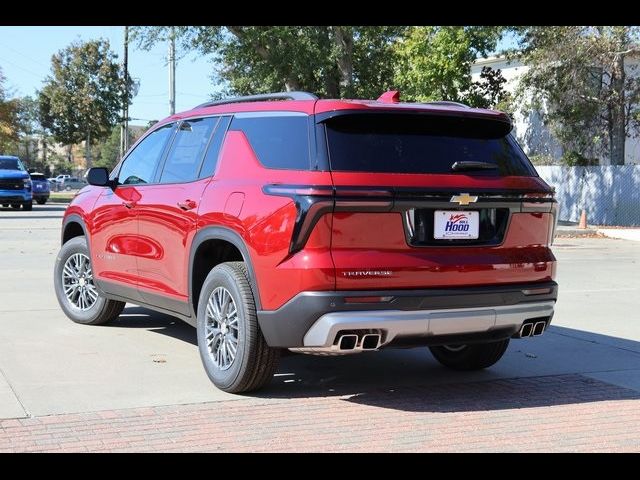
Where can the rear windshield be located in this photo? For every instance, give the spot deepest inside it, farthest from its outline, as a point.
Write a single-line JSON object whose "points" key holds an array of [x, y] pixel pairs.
{"points": [[383, 143], [37, 176], [10, 164]]}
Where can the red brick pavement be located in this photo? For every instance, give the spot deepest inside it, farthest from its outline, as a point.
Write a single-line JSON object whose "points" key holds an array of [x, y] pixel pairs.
{"points": [[568, 413]]}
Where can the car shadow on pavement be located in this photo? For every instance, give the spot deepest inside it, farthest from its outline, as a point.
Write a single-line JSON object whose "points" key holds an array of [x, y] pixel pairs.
{"points": [[156, 322], [564, 366]]}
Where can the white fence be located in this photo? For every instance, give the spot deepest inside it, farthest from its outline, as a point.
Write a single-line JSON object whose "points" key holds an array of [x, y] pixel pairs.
{"points": [[609, 194]]}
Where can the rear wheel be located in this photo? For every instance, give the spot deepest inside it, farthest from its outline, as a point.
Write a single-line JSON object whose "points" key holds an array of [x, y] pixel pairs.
{"points": [[470, 357], [41, 201], [234, 353], [75, 289]]}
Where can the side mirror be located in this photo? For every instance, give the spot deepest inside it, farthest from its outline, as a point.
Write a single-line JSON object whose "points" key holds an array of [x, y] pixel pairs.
{"points": [[99, 177]]}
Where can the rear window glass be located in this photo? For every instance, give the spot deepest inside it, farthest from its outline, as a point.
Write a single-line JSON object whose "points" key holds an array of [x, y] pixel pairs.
{"points": [[278, 141], [37, 176], [383, 143]]}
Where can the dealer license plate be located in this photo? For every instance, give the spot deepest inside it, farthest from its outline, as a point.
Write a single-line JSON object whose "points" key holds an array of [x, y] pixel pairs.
{"points": [[451, 225]]}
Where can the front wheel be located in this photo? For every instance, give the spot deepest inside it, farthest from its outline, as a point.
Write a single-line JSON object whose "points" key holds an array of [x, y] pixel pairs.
{"points": [[470, 357], [76, 290], [233, 350], [28, 206]]}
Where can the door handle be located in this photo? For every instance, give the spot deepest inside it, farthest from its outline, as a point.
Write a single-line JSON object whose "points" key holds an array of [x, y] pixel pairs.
{"points": [[129, 204], [187, 205]]}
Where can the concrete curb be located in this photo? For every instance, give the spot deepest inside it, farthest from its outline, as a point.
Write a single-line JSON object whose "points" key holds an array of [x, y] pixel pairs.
{"points": [[621, 233], [575, 232]]}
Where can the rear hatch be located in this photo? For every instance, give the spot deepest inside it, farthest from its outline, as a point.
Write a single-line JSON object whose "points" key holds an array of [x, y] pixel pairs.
{"points": [[434, 199]]}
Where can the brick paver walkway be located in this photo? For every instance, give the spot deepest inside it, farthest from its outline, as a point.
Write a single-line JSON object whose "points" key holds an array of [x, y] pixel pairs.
{"points": [[557, 413]]}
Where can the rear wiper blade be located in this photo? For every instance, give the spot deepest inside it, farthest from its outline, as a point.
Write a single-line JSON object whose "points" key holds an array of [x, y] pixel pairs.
{"points": [[460, 166]]}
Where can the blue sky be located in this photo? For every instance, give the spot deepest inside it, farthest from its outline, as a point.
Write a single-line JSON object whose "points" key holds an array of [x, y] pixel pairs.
{"points": [[25, 60]]}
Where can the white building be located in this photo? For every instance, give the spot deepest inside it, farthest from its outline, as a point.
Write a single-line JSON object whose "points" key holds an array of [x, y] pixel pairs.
{"points": [[534, 137]]}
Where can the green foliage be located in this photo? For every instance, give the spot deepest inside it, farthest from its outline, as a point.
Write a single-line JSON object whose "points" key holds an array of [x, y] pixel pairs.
{"points": [[9, 119], [61, 165], [84, 93], [108, 151], [543, 160], [425, 63], [489, 91], [574, 159], [29, 144], [434, 63], [331, 61], [579, 79]]}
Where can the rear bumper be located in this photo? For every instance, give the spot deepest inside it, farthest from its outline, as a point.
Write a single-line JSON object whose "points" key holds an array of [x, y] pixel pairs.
{"points": [[313, 319]]}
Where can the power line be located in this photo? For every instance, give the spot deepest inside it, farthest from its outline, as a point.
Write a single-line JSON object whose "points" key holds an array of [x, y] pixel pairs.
{"points": [[25, 56], [39, 75]]}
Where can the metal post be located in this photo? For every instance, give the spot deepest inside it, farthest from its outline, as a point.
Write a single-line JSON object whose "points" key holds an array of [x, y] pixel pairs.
{"points": [[124, 131], [88, 151], [172, 73]]}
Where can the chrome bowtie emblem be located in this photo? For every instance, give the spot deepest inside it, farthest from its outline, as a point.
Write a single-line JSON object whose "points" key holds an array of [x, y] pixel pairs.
{"points": [[463, 199]]}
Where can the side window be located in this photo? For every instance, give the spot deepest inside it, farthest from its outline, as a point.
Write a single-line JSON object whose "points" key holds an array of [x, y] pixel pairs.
{"points": [[211, 157], [186, 152], [140, 165], [279, 141]]}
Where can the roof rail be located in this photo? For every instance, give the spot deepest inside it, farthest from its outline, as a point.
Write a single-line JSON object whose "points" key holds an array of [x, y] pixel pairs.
{"points": [[447, 102], [262, 97]]}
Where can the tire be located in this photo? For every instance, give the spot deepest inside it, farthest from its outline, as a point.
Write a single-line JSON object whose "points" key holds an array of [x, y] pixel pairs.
{"points": [[68, 189], [5, 205], [41, 201], [254, 362], [15, 206], [102, 310], [27, 206], [470, 357]]}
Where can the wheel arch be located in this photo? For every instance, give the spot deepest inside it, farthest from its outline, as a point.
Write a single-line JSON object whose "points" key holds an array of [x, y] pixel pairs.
{"points": [[73, 226], [206, 236]]}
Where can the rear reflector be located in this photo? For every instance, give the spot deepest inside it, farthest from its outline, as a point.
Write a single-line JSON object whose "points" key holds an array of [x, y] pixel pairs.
{"points": [[536, 291]]}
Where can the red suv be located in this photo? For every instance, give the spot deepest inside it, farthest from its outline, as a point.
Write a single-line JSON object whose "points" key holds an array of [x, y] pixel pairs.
{"points": [[321, 226]]}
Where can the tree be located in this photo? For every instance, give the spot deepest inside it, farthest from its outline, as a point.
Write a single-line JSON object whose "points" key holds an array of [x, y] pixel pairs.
{"points": [[108, 151], [332, 61], [82, 98], [9, 118], [581, 79], [434, 63], [31, 145]]}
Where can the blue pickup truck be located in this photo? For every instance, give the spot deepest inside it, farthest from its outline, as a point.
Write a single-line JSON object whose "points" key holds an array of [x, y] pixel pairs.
{"points": [[15, 184]]}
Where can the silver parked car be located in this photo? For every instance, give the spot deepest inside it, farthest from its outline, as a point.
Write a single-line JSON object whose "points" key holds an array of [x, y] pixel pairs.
{"points": [[72, 183]]}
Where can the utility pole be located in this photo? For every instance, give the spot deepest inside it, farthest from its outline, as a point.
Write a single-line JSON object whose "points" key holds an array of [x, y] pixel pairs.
{"points": [[88, 151], [172, 73], [124, 129]]}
